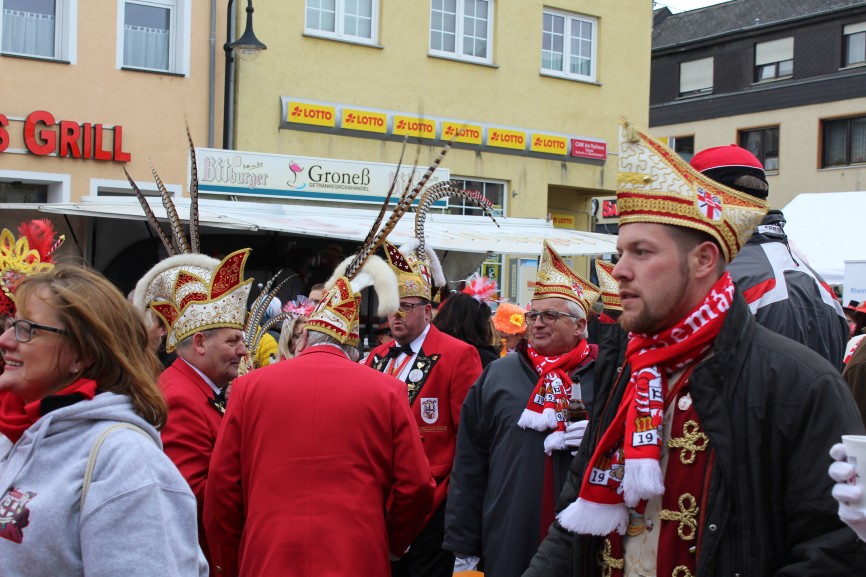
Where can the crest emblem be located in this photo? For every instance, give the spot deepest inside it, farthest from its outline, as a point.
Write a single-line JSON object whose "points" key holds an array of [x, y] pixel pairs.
{"points": [[709, 204], [429, 410], [15, 514]]}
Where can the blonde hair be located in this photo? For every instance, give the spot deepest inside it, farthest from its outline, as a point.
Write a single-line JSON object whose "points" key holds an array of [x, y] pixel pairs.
{"points": [[106, 332], [287, 345]]}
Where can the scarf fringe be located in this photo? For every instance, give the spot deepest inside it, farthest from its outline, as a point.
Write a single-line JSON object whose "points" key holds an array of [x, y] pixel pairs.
{"points": [[555, 441], [588, 518], [543, 421], [642, 479]]}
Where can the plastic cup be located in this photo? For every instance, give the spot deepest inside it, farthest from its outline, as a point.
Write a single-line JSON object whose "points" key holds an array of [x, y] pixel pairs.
{"points": [[855, 448]]}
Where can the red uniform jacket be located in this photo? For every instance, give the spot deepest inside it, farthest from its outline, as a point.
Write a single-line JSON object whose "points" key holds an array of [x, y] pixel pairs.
{"points": [[189, 436], [447, 367], [310, 452]]}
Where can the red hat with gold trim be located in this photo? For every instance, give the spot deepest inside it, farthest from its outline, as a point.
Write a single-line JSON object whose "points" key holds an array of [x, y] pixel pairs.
{"points": [[194, 292], [555, 280], [608, 285], [656, 185], [30, 253]]}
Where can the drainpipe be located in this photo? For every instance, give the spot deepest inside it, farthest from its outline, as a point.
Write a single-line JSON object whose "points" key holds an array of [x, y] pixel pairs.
{"points": [[212, 76]]}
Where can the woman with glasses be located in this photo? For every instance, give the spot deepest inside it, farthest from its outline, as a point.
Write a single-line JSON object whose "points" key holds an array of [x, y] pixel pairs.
{"points": [[85, 488]]}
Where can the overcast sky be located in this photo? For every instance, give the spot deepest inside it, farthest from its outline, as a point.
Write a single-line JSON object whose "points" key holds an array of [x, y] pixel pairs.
{"points": [[682, 5]]}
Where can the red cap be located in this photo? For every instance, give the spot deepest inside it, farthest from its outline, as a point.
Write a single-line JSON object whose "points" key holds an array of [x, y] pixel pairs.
{"points": [[720, 156]]}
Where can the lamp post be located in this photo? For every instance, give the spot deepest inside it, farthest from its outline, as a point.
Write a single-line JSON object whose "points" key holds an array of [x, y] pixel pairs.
{"points": [[246, 44]]}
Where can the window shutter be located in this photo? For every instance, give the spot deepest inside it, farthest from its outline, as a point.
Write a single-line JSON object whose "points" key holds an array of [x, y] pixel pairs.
{"points": [[696, 75], [855, 28], [774, 51]]}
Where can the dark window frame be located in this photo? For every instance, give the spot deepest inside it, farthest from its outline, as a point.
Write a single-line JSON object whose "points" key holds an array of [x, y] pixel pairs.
{"points": [[763, 153], [848, 122]]}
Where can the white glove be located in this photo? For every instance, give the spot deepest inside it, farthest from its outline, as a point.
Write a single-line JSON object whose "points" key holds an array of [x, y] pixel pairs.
{"points": [[574, 434], [845, 492], [468, 563]]}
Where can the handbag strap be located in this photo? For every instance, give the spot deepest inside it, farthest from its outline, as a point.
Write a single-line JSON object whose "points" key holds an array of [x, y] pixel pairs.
{"points": [[91, 462]]}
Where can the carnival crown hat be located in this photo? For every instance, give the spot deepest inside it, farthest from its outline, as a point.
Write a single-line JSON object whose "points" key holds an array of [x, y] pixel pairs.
{"points": [[509, 319], [556, 280], [190, 292], [608, 285], [656, 185], [30, 253]]}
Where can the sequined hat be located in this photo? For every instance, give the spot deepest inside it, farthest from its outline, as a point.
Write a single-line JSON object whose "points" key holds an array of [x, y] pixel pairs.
{"points": [[609, 286], [194, 292], [556, 280], [416, 275], [656, 185], [30, 253]]}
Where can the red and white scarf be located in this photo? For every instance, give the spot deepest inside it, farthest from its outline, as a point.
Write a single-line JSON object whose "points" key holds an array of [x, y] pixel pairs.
{"points": [[624, 469], [551, 396]]}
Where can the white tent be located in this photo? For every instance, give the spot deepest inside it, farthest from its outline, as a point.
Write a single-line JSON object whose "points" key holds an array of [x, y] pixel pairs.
{"points": [[828, 228]]}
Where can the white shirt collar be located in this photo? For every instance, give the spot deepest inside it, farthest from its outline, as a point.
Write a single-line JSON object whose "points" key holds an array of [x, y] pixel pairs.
{"points": [[215, 388]]}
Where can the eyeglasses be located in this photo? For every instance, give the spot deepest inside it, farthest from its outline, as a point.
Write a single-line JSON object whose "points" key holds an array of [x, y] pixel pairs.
{"points": [[409, 307], [24, 329], [548, 317]]}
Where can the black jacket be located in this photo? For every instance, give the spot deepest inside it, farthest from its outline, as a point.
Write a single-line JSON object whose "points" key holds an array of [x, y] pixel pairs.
{"points": [[786, 295], [771, 409]]}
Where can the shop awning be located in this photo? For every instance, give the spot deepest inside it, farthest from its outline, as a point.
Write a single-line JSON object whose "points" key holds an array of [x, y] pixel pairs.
{"points": [[471, 234]]}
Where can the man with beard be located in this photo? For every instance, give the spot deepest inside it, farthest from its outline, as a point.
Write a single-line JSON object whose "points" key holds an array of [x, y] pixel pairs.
{"points": [[513, 445], [438, 371], [705, 457]]}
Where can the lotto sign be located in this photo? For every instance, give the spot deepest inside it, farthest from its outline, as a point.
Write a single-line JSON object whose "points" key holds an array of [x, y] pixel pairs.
{"points": [[548, 143], [468, 133], [503, 138], [315, 114], [364, 120], [411, 126]]}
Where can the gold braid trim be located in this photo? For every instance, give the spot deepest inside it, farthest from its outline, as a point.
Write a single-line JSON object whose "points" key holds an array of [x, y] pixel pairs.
{"points": [[692, 441], [607, 562], [682, 571], [687, 517]]}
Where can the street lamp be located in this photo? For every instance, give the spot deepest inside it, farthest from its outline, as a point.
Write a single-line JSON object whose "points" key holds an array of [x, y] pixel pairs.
{"points": [[247, 44]]}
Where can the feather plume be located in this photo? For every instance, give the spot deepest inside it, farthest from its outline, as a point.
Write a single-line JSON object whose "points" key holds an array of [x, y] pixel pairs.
{"points": [[300, 307], [253, 328], [439, 191], [193, 197], [388, 196], [481, 288], [151, 218], [378, 274], [40, 235], [178, 237]]}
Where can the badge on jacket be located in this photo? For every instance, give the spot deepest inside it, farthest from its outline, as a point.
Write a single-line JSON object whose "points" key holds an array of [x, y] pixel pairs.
{"points": [[429, 410]]}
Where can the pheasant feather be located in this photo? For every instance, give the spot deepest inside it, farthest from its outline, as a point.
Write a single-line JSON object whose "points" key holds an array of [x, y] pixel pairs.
{"points": [[178, 236], [154, 222], [193, 197]]}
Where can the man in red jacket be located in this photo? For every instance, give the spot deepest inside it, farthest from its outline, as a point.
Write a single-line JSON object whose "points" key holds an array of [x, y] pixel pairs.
{"points": [[438, 371], [318, 468], [202, 301]]}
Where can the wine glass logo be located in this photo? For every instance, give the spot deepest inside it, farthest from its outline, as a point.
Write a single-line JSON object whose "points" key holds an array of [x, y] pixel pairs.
{"points": [[296, 170]]}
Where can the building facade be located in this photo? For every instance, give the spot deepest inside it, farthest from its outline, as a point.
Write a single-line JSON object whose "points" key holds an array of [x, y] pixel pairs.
{"points": [[786, 80]]}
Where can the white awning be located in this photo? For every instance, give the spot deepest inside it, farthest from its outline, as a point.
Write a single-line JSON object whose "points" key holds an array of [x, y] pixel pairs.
{"points": [[444, 232]]}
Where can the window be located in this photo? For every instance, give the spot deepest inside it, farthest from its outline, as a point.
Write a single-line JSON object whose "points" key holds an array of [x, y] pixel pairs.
{"points": [[155, 35], [764, 144], [354, 20], [843, 142], [774, 59], [568, 45], [683, 145], [461, 28], [855, 44], [492, 191], [696, 77], [40, 28], [27, 192]]}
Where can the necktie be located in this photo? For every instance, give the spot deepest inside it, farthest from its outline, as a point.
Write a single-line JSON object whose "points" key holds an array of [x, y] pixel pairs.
{"points": [[218, 401], [397, 350]]}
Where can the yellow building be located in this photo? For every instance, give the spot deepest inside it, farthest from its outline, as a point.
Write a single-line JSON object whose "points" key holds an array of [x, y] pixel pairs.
{"points": [[535, 87]]}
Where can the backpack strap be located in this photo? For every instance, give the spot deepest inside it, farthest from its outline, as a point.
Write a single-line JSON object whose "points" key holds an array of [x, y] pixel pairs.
{"points": [[91, 462]]}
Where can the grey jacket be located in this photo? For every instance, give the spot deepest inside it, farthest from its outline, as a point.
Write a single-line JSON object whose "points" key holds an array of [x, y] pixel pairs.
{"points": [[786, 295], [139, 516]]}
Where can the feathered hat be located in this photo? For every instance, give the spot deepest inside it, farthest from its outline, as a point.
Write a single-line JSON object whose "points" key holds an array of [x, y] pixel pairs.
{"points": [[482, 289], [608, 285], [265, 314], [30, 253], [300, 307], [508, 319], [656, 185], [190, 292], [556, 280], [416, 265]]}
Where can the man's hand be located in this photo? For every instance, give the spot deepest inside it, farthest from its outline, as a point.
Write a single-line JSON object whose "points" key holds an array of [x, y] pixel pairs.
{"points": [[574, 435], [842, 472]]}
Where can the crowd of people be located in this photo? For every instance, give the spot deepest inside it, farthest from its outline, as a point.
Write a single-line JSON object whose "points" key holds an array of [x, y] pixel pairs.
{"points": [[680, 416]]}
